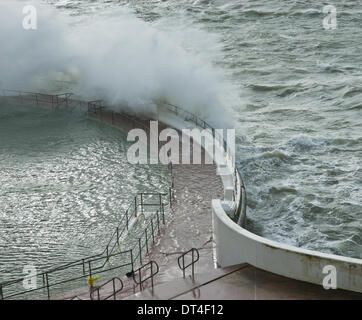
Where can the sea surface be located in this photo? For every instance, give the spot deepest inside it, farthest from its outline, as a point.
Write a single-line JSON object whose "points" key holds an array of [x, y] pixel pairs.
{"points": [[65, 184]]}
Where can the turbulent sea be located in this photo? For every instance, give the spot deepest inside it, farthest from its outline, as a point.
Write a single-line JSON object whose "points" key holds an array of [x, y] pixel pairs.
{"points": [[65, 184], [292, 89]]}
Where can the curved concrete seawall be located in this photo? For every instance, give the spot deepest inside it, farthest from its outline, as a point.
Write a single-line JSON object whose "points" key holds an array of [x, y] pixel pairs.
{"points": [[236, 245]]}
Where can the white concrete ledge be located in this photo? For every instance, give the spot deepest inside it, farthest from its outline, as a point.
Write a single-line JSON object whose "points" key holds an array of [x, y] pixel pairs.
{"points": [[235, 245]]}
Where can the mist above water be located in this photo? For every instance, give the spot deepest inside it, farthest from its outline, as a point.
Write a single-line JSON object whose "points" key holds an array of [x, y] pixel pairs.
{"points": [[112, 55]]}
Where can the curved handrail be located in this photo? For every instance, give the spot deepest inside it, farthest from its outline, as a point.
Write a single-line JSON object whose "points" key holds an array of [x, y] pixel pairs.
{"points": [[193, 251], [141, 280], [115, 292]]}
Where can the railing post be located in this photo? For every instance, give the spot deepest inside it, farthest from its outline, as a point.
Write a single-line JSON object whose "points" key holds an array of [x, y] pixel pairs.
{"points": [[90, 269], [170, 195], [114, 286], [146, 239], [1, 293], [83, 267], [117, 235], [142, 203], [152, 277], [152, 229], [158, 222], [163, 214], [140, 249], [135, 206], [193, 268], [183, 265], [132, 262], [47, 284]]}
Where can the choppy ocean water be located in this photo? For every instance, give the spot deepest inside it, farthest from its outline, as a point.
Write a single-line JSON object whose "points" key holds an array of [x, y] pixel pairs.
{"points": [[65, 185]]}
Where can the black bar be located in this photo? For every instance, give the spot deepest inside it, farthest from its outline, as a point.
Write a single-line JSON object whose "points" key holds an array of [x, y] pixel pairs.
{"points": [[141, 202], [193, 263], [153, 236], [158, 222], [135, 206], [83, 267], [146, 240], [163, 214], [152, 277], [132, 263]]}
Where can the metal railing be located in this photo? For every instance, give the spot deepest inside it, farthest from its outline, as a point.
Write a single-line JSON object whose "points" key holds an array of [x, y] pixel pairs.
{"points": [[38, 98], [98, 108], [77, 272], [195, 256], [139, 278], [49, 278], [239, 215], [114, 292]]}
